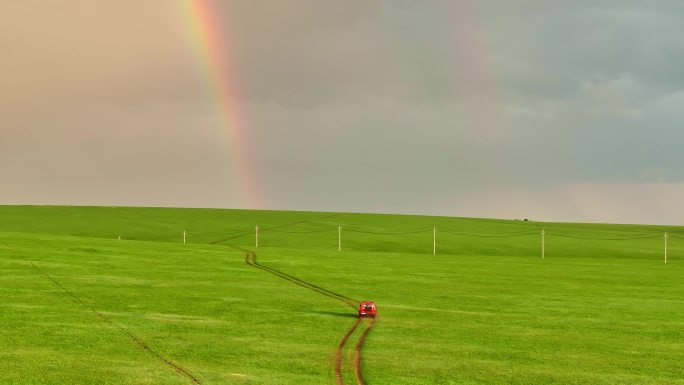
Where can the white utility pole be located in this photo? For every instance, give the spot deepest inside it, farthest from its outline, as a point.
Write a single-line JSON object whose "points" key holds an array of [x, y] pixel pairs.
{"points": [[434, 241], [543, 245], [256, 236], [665, 236], [339, 238], [184, 234]]}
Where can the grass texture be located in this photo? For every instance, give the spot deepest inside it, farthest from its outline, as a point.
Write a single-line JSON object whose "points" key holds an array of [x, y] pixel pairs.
{"points": [[81, 306]]}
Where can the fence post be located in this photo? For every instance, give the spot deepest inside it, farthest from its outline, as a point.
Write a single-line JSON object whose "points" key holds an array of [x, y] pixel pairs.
{"points": [[665, 236], [184, 234], [543, 232], [434, 241], [256, 236], [339, 238]]}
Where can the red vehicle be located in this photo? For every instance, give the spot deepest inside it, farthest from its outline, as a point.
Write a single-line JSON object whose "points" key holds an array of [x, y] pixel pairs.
{"points": [[367, 309]]}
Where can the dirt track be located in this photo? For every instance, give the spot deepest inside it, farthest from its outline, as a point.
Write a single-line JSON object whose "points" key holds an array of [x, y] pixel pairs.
{"points": [[357, 353], [250, 259], [338, 353], [136, 340]]}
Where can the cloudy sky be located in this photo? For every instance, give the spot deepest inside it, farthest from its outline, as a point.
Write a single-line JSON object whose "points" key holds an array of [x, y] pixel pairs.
{"points": [[563, 110]]}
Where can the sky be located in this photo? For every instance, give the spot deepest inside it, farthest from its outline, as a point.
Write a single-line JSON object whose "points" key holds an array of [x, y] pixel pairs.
{"points": [[558, 111]]}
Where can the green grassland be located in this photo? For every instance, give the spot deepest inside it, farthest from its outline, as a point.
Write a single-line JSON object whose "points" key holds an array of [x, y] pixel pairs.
{"points": [[601, 308]]}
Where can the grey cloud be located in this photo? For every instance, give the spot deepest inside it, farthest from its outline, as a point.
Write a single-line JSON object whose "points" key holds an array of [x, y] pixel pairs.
{"points": [[356, 105]]}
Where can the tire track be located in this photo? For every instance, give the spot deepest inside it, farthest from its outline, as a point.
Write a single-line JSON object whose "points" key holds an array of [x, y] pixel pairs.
{"points": [[339, 380], [135, 339], [250, 259], [357, 353]]}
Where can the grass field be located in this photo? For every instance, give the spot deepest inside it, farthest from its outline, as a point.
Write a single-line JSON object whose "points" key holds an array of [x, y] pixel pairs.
{"points": [[601, 308]]}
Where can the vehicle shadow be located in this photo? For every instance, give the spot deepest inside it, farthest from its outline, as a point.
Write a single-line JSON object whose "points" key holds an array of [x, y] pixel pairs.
{"points": [[338, 314]]}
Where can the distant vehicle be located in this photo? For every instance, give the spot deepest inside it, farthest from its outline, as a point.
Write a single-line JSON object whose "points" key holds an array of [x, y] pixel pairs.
{"points": [[367, 309]]}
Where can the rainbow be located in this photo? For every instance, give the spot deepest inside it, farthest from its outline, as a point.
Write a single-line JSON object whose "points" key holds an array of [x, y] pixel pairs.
{"points": [[212, 47]]}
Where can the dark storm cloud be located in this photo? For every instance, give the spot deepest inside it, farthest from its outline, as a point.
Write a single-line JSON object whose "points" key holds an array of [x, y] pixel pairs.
{"points": [[491, 108]]}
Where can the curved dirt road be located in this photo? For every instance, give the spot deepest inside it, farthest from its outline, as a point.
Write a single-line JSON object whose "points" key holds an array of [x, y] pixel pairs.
{"points": [[250, 259], [357, 353], [338, 353]]}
